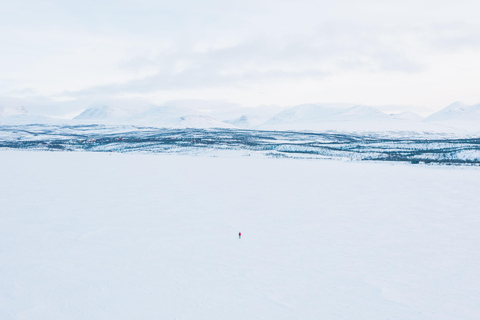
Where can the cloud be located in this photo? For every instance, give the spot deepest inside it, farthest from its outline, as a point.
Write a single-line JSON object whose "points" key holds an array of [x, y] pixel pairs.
{"points": [[91, 50], [332, 49], [454, 37]]}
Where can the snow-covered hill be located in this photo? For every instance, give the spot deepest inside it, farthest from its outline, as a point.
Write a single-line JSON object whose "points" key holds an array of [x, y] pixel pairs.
{"points": [[302, 115], [457, 111], [175, 117], [12, 111], [456, 118], [198, 121], [157, 116], [453, 111], [20, 116], [104, 114], [356, 118], [246, 121], [459, 116]]}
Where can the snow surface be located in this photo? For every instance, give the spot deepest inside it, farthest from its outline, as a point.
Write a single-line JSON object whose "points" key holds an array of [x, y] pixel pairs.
{"points": [[451, 112], [358, 118], [125, 236], [246, 121], [175, 117], [12, 111], [19, 115], [457, 118], [104, 112], [458, 115], [411, 116]]}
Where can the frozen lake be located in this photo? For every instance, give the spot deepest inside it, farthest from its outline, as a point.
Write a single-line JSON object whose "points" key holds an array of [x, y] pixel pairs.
{"points": [[150, 236]]}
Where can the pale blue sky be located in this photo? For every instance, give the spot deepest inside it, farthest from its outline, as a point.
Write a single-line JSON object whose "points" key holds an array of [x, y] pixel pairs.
{"points": [[422, 54]]}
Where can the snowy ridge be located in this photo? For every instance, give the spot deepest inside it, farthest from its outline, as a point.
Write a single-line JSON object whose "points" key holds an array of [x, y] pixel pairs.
{"points": [[360, 113], [20, 116], [197, 121], [457, 117], [157, 116], [453, 111], [174, 117], [245, 121], [103, 112], [357, 118], [302, 114], [12, 111]]}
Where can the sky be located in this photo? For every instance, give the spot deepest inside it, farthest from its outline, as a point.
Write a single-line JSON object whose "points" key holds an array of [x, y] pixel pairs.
{"points": [[412, 55]]}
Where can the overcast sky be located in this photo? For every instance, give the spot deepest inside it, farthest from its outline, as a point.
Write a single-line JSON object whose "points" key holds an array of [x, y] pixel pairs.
{"points": [[415, 53]]}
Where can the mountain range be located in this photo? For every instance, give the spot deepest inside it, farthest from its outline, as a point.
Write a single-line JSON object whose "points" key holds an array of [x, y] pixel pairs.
{"points": [[312, 117]]}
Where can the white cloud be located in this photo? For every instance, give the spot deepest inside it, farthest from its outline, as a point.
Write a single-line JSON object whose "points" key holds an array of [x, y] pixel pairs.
{"points": [[251, 52]]}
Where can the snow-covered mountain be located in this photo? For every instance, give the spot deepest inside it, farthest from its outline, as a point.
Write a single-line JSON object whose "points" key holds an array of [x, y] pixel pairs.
{"points": [[318, 117], [104, 114], [302, 115], [12, 111], [175, 117], [458, 116], [312, 114], [19, 116], [457, 111], [246, 121], [198, 121], [157, 116], [360, 113]]}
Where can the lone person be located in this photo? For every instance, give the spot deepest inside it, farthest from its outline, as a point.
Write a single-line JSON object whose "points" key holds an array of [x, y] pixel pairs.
{"points": [[239, 235]]}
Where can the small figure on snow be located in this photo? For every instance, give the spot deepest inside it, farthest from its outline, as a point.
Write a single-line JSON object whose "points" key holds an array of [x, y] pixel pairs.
{"points": [[239, 235]]}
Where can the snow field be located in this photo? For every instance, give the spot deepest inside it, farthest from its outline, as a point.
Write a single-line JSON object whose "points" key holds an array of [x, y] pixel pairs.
{"points": [[125, 236]]}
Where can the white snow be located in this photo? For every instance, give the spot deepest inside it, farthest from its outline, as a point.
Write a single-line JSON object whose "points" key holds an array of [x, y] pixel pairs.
{"points": [[17, 115], [451, 112], [125, 236], [246, 121], [357, 118], [175, 117], [458, 118], [305, 113], [12, 111], [103, 112], [412, 116], [198, 121], [157, 116]]}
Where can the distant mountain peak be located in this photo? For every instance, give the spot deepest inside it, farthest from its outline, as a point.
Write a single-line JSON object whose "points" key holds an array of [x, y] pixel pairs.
{"points": [[12, 111], [455, 111], [102, 112], [457, 106], [245, 121]]}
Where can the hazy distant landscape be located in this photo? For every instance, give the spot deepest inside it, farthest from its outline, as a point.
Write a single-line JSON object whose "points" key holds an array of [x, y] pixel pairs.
{"points": [[449, 136], [458, 118]]}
